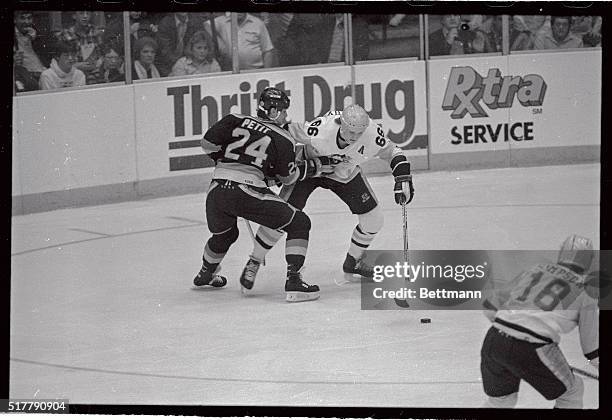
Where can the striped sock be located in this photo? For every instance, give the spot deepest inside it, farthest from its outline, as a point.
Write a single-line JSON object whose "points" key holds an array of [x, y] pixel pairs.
{"points": [[295, 253], [265, 239], [211, 259], [360, 241]]}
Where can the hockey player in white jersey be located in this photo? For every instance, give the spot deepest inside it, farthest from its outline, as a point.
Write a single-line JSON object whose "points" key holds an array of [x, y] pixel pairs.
{"points": [[352, 137], [523, 343]]}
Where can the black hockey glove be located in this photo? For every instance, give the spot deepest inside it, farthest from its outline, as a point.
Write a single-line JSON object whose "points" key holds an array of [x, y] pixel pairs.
{"points": [[215, 156], [403, 188]]}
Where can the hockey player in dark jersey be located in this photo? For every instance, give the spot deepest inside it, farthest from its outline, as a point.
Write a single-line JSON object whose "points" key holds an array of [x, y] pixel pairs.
{"points": [[248, 151], [528, 318], [352, 136]]}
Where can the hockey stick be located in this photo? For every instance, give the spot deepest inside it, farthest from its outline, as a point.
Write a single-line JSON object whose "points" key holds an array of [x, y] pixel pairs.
{"points": [[252, 235], [402, 302], [584, 373]]}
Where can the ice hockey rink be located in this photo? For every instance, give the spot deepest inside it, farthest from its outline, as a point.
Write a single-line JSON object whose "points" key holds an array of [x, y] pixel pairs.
{"points": [[102, 309]]}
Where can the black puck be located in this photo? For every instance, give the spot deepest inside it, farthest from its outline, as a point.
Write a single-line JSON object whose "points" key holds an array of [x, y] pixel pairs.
{"points": [[425, 320]]}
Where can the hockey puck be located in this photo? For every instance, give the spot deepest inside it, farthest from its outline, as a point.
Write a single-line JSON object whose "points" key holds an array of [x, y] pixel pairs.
{"points": [[425, 320]]}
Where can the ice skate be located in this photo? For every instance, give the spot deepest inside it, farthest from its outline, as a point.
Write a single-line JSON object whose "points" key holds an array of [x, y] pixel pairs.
{"points": [[247, 278], [299, 291], [207, 278], [353, 267]]}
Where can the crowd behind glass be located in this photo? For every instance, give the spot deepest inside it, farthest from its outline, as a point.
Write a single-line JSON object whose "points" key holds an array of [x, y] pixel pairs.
{"points": [[55, 50]]}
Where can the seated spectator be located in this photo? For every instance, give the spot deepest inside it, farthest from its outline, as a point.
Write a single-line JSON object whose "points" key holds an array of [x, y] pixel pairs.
{"points": [[88, 39], [255, 48], [26, 37], [24, 80], [145, 50], [560, 36], [62, 73], [588, 28], [485, 38], [110, 65], [199, 58], [173, 32], [447, 40], [525, 29]]}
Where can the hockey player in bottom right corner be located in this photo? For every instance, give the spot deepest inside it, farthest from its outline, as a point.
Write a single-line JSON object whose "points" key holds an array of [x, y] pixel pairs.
{"points": [[523, 342]]}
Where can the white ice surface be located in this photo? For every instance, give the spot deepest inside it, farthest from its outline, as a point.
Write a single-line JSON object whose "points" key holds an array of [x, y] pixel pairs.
{"points": [[102, 310]]}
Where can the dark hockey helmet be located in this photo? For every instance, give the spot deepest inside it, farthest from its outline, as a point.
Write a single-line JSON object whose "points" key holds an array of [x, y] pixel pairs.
{"points": [[272, 97]]}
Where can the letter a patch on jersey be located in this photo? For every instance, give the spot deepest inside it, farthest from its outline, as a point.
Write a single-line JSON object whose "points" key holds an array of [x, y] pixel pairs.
{"points": [[360, 151]]}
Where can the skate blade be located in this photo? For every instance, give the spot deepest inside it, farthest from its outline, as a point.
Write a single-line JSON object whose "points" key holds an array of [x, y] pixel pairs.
{"points": [[302, 296]]}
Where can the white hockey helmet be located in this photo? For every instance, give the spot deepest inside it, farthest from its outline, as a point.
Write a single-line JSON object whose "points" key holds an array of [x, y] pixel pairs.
{"points": [[576, 252], [353, 122]]}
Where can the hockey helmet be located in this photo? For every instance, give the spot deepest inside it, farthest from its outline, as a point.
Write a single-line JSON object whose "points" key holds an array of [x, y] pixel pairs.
{"points": [[353, 122], [272, 97], [577, 253]]}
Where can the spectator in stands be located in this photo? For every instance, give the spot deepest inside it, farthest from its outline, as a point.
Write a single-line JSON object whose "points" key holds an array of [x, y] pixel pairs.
{"points": [[62, 73], [24, 80], [88, 40], [110, 65], [445, 41], [173, 32], [560, 36], [332, 39], [199, 58], [145, 50], [255, 48], [28, 43], [525, 29], [319, 38], [277, 25], [485, 38], [59, 20], [588, 28], [141, 24]]}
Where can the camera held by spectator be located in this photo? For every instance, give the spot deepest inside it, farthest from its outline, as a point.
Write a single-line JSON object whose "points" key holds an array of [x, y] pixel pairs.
{"points": [[466, 36]]}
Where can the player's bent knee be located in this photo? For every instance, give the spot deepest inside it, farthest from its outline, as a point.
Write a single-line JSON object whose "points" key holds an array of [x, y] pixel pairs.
{"points": [[506, 401], [572, 398], [220, 242], [372, 221], [300, 223]]}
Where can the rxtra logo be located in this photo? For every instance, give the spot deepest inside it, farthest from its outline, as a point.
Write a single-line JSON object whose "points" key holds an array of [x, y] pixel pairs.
{"points": [[467, 91]]}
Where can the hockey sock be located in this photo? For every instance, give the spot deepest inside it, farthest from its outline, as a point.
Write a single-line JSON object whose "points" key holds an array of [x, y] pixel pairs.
{"points": [[217, 246], [572, 398], [360, 241], [265, 239], [297, 241]]}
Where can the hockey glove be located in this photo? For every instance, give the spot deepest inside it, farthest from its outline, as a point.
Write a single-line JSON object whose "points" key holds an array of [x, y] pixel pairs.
{"points": [[317, 166], [403, 188], [215, 156]]}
